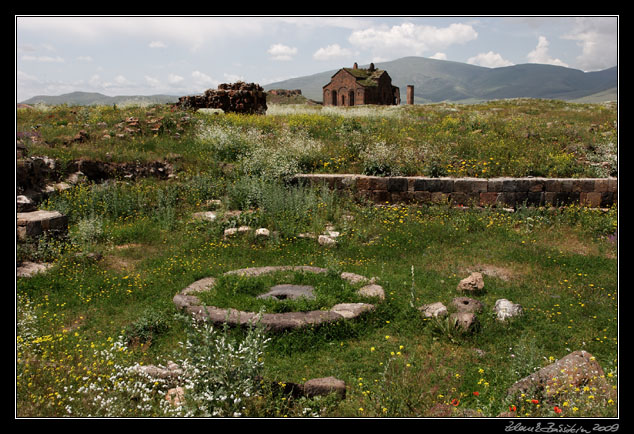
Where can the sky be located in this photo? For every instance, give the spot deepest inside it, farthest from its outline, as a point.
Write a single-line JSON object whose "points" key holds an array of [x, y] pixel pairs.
{"points": [[185, 55]]}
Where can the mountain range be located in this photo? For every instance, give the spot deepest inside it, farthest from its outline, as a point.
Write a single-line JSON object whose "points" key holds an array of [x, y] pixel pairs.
{"points": [[94, 98], [433, 81], [443, 80]]}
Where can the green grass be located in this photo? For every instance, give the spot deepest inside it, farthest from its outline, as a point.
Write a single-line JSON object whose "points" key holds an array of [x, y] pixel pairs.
{"points": [[85, 322]]}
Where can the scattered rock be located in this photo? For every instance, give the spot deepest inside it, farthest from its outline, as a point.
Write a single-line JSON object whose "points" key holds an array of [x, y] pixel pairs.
{"points": [[467, 321], [433, 310], [325, 240], [351, 310], [176, 396], [355, 278], [372, 290], [28, 269], [171, 373], [473, 283], [262, 233], [466, 304], [209, 216], [324, 386], [229, 232], [507, 309], [25, 204]]}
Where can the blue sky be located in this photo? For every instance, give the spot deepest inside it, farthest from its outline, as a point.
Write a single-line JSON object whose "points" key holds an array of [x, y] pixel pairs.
{"points": [[183, 55]]}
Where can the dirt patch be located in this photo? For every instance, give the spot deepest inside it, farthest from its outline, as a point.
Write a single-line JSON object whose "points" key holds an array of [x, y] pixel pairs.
{"points": [[502, 273], [126, 257]]}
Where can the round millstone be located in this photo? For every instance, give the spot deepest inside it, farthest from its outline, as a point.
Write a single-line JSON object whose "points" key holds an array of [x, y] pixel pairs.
{"points": [[289, 292]]}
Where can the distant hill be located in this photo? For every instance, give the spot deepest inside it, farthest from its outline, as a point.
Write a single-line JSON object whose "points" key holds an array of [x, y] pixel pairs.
{"points": [[93, 98], [442, 80]]}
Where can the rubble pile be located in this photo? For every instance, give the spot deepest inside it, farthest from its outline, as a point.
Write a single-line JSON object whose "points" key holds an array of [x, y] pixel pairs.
{"points": [[237, 97]]}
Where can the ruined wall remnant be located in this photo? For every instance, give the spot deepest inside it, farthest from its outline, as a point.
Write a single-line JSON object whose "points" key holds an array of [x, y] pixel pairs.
{"points": [[236, 97], [410, 94]]}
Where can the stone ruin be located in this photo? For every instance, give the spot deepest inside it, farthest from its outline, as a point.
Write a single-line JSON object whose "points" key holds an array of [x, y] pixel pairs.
{"points": [[188, 302], [237, 97]]}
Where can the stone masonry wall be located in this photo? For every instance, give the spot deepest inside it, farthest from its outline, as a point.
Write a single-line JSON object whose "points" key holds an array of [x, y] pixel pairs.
{"points": [[236, 97], [511, 192]]}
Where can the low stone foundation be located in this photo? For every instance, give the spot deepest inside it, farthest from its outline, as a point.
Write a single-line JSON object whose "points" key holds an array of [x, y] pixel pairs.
{"points": [[511, 192]]}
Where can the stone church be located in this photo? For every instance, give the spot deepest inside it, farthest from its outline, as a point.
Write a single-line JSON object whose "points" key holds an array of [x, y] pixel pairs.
{"points": [[356, 86]]}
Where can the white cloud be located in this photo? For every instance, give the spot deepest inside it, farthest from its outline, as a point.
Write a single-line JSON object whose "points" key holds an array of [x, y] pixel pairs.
{"points": [[157, 44], [84, 58], [540, 54], [598, 39], [174, 78], [439, 56], [190, 31], [203, 80], [331, 52], [489, 60], [281, 52], [121, 80], [411, 39], [43, 59], [152, 81], [232, 78]]}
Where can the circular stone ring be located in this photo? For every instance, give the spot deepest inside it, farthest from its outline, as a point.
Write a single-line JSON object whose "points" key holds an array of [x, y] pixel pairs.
{"points": [[188, 302]]}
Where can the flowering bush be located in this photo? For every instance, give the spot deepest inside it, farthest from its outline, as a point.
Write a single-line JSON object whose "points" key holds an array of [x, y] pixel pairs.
{"points": [[221, 372]]}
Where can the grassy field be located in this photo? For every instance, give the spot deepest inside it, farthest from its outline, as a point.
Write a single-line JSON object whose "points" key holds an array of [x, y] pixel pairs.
{"points": [[105, 307]]}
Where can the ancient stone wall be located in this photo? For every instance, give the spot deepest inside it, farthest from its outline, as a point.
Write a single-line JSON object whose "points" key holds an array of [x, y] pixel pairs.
{"points": [[512, 192], [238, 97]]}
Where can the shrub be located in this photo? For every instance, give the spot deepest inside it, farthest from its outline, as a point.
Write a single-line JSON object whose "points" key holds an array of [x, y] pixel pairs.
{"points": [[221, 371]]}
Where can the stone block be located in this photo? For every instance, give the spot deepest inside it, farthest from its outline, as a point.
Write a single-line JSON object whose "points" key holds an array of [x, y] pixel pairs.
{"points": [[439, 197], [380, 196], [378, 183], [434, 185], [535, 198], [495, 185], [489, 198], [590, 199], [613, 184], [601, 185], [422, 196], [363, 183], [537, 185], [552, 185], [397, 184], [582, 185], [35, 223]]}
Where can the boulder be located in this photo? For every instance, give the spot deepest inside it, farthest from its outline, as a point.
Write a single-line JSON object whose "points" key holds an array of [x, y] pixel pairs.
{"points": [[325, 240], [372, 290], [28, 269], [209, 216], [262, 233], [507, 309], [466, 304], [576, 370], [176, 396], [467, 321], [473, 283], [324, 386], [351, 310], [433, 310]]}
